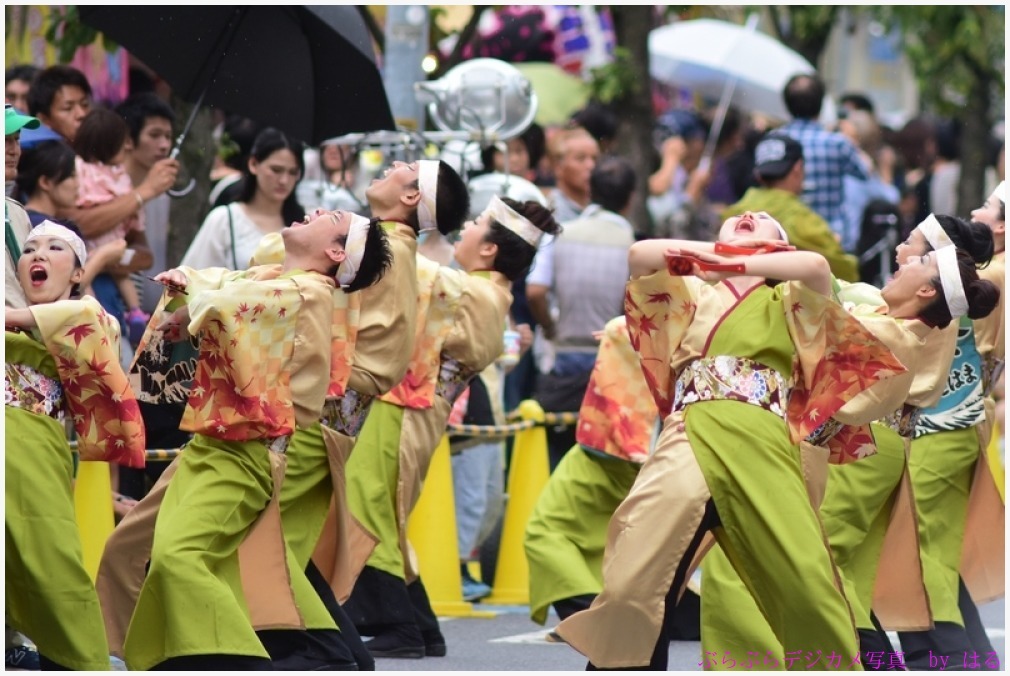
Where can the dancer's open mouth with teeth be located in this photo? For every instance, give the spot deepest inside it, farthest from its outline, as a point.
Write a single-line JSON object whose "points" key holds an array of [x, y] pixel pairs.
{"points": [[745, 224], [38, 274]]}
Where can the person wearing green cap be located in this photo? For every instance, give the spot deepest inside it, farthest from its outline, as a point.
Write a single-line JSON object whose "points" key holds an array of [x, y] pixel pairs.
{"points": [[16, 223]]}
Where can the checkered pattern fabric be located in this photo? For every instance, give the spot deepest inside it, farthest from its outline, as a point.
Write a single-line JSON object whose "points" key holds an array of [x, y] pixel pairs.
{"points": [[827, 158], [438, 298], [242, 385]]}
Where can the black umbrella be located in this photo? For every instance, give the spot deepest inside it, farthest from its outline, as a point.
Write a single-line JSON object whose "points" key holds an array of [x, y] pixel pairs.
{"points": [[307, 70]]}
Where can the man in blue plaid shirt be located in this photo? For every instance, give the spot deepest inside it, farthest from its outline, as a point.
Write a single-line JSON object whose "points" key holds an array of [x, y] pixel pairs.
{"points": [[828, 156]]}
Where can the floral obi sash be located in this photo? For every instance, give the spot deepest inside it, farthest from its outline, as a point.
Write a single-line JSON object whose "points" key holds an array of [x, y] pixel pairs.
{"points": [[346, 414], [33, 391], [992, 368], [734, 379], [903, 420], [453, 378]]}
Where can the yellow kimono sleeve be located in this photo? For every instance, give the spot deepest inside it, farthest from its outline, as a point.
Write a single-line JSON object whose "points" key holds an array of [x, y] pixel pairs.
{"points": [[270, 250], [388, 319], [476, 337], [837, 358], [659, 308], [84, 342], [618, 415], [886, 396], [263, 347], [343, 338], [990, 339], [438, 297]]}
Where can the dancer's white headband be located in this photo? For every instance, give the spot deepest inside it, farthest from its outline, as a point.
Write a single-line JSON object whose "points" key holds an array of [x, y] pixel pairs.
{"points": [[1000, 192], [50, 229], [354, 250], [512, 220], [427, 183], [934, 233], [950, 280]]}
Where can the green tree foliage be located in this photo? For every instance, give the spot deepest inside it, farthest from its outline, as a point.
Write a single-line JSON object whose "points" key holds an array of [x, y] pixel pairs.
{"points": [[616, 80], [958, 54], [804, 28], [66, 32], [951, 47]]}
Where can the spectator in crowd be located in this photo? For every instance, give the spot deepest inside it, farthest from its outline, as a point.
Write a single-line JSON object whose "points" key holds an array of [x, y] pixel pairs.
{"points": [[47, 179], [229, 235], [853, 101], [828, 156], [101, 145], [340, 184], [778, 166], [584, 272], [17, 84], [150, 120], [60, 96], [916, 146], [493, 157], [19, 79], [740, 164], [677, 187], [234, 145], [573, 155], [946, 173], [536, 143], [16, 221], [862, 129], [600, 120], [721, 191]]}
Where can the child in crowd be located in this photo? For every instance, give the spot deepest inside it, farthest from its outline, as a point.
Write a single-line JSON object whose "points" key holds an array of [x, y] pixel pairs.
{"points": [[101, 145]]}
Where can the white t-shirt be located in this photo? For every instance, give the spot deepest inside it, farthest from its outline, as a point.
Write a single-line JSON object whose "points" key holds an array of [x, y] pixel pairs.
{"points": [[213, 246]]}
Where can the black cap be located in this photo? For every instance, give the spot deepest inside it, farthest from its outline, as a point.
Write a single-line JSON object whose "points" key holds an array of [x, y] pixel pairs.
{"points": [[776, 155]]}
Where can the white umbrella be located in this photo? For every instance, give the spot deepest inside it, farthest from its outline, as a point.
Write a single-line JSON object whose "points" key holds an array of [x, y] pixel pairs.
{"points": [[706, 55]]}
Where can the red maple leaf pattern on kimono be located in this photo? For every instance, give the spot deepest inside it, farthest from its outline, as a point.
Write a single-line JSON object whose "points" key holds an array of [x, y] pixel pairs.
{"points": [[438, 297], [659, 308], [84, 342], [241, 388], [618, 413], [837, 358]]}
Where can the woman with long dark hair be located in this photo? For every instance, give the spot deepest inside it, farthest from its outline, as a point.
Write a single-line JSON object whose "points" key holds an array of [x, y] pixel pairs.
{"points": [[230, 233]]}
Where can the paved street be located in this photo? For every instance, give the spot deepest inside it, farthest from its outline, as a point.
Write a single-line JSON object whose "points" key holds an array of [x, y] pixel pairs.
{"points": [[511, 642]]}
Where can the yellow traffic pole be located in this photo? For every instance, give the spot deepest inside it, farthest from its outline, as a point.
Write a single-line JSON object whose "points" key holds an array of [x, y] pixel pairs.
{"points": [[530, 470], [93, 505], [995, 460], [431, 530]]}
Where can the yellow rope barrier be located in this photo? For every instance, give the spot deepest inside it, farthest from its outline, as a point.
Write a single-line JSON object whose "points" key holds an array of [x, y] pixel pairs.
{"points": [[490, 431], [478, 431]]}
